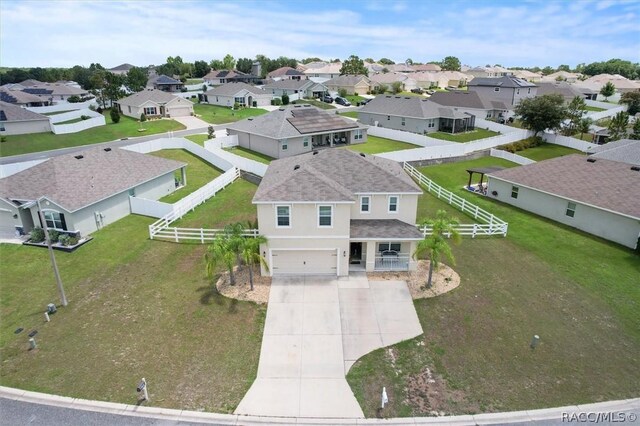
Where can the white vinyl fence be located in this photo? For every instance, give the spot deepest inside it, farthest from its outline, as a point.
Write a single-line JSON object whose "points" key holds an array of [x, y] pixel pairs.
{"points": [[568, 142], [13, 168], [96, 120], [222, 142], [149, 208], [238, 161], [604, 114], [515, 158], [408, 137], [65, 106], [598, 104], [493, 126]]}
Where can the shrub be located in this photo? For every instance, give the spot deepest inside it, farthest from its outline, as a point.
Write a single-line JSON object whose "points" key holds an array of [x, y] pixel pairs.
{"points": [[115, 115], [236, 105], [54, 235], [183, 89], [204, 87], [99, 110], [285, 99], [342, 92], [93, 108], [84, 117], [64, 239], [3, 138], [277, 101], [37, 235], [143, 117], [355, 94], [73, 240], [73, 99], [211, 132]]}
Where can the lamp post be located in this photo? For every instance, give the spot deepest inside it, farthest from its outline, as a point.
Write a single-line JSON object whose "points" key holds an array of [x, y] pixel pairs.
{"points": [[63, 297]]}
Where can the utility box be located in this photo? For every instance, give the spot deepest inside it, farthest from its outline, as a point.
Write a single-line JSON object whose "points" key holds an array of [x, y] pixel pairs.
{"points": [[51, 308]]}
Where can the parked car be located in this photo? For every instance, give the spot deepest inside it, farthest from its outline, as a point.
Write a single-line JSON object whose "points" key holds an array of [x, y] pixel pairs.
{"points": [[450, 88], [364, 101], [430, 92], [417, 90], [342, 101], [327, 98]]}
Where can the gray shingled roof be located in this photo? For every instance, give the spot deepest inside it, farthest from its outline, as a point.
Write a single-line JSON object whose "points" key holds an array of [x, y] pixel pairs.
{"points": [[154, 95], [165, 79], [383, 228], [289, 84], [230, 89], [285, 71], [347, 80], [506, 81], [19, 97], [121, 67], [10, 112], [276, 124], [467, 99], [623, 150], [409, 106], [332, 175], [76, 183], [562, 88], [606, 184]]}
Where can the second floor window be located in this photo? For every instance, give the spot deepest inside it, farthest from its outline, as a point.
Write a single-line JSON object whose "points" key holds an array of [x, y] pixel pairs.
{"points": [[364, 204], [325, 215], [283, 216], [393, 204]]}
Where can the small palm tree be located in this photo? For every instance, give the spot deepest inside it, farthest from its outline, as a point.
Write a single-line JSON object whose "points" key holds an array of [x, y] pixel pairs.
{"points": [[220, 253], [584, 125], [233, 234], [435, 245], [251, 254]]}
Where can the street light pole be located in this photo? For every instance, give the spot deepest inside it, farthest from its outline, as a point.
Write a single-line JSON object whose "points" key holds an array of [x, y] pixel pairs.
{"points": [[63, 297]]}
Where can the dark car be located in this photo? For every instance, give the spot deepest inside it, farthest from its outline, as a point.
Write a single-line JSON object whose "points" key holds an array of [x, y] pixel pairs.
{"points": [[327, 98], [417, 90], [342, 101], [364, 101]]}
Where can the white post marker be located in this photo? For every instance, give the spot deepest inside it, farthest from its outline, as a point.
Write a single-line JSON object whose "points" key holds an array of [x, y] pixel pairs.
{"points": [[32, 343], [385, 399], [142, 387], [46, 317]]}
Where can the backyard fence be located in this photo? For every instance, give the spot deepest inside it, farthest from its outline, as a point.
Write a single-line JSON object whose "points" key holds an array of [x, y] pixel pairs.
{"points": [[515, 158], [242, 163], [597, 115], [96, 119], [151, 208], [491, 225], [222, 142], [64, 106], [568, 142], [413, 138]]}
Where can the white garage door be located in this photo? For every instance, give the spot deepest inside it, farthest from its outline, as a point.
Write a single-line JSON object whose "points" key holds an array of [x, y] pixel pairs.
{"points": [[180, 112], [7, 229], [304, 262]]}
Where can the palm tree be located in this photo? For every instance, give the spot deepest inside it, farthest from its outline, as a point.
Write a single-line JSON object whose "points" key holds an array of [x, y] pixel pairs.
{"points": [[233, 234], [251, 254], [435, 245], [220, 253], [584, 125]]}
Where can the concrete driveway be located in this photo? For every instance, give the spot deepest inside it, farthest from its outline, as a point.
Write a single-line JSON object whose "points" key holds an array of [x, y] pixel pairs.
{"points": [[191, 122], [316, 328]]}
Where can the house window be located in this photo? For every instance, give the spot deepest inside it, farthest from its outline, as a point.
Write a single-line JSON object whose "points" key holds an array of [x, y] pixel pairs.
{"points": [[431, 123], [514, 191], [284, 145], [517, 91], [305, 141], [325, 216], [239, 101], [283, 216], [488, 114], [529, 90], [388, 117], [389, 246], [393, 204], [150, 111], [132, 192], [129, 109], [55, 220], [402, 121], [496, 89], [2, 129], [365, 202], [571, 209], [357, 134]]}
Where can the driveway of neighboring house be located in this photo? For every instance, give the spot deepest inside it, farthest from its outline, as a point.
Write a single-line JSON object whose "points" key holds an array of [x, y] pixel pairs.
{"points": [[191, 122], [316, 328]]}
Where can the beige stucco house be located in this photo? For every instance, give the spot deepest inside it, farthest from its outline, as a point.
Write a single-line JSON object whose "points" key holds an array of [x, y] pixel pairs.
{"points": [[242, 94], [353, 84], [154, 103], [335, 211]]}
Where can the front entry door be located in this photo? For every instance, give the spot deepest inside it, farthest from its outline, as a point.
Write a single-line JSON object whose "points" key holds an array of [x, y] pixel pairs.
{"points": [[355, 253]]}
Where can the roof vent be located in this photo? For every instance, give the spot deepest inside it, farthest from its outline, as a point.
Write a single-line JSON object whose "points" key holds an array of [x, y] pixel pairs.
{"points": [[79, 157], [280, 109], [635, 168], [315, 152], [591, 160], [107, 150], [362, 154], [296, 167]]}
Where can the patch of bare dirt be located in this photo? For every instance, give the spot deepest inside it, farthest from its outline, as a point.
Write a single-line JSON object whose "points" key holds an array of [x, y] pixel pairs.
{"points": [[427, 394], [242, 290], [444, 279]]}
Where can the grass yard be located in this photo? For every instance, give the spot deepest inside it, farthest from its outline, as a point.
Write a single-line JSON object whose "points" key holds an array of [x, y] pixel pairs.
{"points": [[375, 145], [137, 308], [594, 109], [354, 99], [352, 114], [547, 151], [315, 103], [195, 81], [56, 112], [464, 137], [199, 139], [199, 173], [587, 137], [578, 292], [251, 155], [215, 114], [127, 127]]}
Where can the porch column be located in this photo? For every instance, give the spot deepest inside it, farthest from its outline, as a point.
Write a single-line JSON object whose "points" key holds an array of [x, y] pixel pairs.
{"points": [[413, 264], [331, 140], [183, 171], [371, 256]]}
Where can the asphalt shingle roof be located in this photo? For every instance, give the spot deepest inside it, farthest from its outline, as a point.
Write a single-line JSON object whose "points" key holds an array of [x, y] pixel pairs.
{"points": [[383, 228], [164, 79], [285, 71], [606, 184], [409, 106], [468, 99], [76, 183], [623, 150], [506, 81], [289, 84], [121, 67], [230, 89], [10, 112], [18, 97], [332, 175], [347, 80], [154, 95]]}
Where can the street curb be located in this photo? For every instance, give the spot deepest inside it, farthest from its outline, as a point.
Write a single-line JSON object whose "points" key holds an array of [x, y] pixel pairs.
{"points": [[546, 414]]}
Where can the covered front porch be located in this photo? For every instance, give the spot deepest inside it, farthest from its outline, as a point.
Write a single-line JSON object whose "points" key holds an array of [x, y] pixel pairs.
{"points": [[382, 245]]}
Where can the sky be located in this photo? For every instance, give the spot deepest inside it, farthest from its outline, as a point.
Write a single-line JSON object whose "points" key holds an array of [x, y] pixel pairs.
{"points": [[510, 33]]}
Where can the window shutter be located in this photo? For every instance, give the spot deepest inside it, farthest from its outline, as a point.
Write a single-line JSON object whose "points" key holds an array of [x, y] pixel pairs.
{"points": [[64, 222]]}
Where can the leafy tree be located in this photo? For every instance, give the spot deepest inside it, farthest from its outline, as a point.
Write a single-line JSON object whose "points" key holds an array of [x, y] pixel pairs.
{"points": [[136, 79], [353, 66], [451, 63], [560, 78], [228, 62], [435, 245], [113, 86], [396, 87], [584, 125], [220, 253], [385, 70], [216, 64], [542, 112], [547, 70], [386, 61], [211, 132], [200, 69], [613, 66], [632, 100], [635, 134], [618, 126], [250, 251], [309, 60], [233, 235], [244, 65], [115, 115], [563, 68], [575, 111], [608, 90], [285, 99], [408, 61], [342, 92], [369, 60], [143, 117]]}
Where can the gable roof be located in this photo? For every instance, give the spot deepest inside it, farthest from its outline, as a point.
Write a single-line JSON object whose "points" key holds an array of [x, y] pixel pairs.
{"points": [[294, 121], [562, 88], [284, 71], [323, 68], [347, 80], [225, 74], [505, 81], [606, 184], [18, 97], [153, 95], [30, 82], [230, 89], [164, 79], [332, 175], [290, 84], [623, 150], [122, 67], [10, 112], [410, 106], [426, 67], [74, 183], [468, 99], [390, 77]]}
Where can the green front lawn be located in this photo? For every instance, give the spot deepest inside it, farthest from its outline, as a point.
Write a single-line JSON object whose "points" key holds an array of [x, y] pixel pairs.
{"points": [[137, 308], [315, 103], [352, 114], [376, 145], [594, 109], [199, 139], [251, 155], [354, 99], [199, 173], [547, 151], [127, 127], [576, 291], [74, 120], [215, 114], [464, 137]]}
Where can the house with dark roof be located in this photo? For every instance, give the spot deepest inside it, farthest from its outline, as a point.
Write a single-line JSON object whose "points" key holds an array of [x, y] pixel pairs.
{"points": [[304, 88], [17, 96], [243, 94], [562, 88], [15, 120], [353, 84], [414, 114], [83, 191], [286, 73], [595, 195], [218, 77], [154, 103], [296, 129], [333, 211], [508, 89], [121, 69], [165, 83], [473, 103], [55, 92]]}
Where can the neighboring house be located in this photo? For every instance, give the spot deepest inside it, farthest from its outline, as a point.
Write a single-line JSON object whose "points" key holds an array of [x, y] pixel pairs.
{"points": [[595, 195], [566, 90], [218, 77], [353, 84], [569, 77], [21, 98], [400, 68], [286, 73], [296, 129], [122, 69], [83, 191], [321, 72], [55, 92], [622, 150], [441, 79], [507, 89], [489, 72], [473, 103], [31, 82], [426, 68], [15, 120], [527, 75], [165, 83], [306, 88], [374, 68], [387, 79], [414, 114], [334, 211], [154, 103], [622, 84], [241, 93]]}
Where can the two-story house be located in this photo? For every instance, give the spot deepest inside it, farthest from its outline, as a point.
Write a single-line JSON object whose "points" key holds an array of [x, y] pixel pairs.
{"points": [[332, 211], [508, 89]]}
